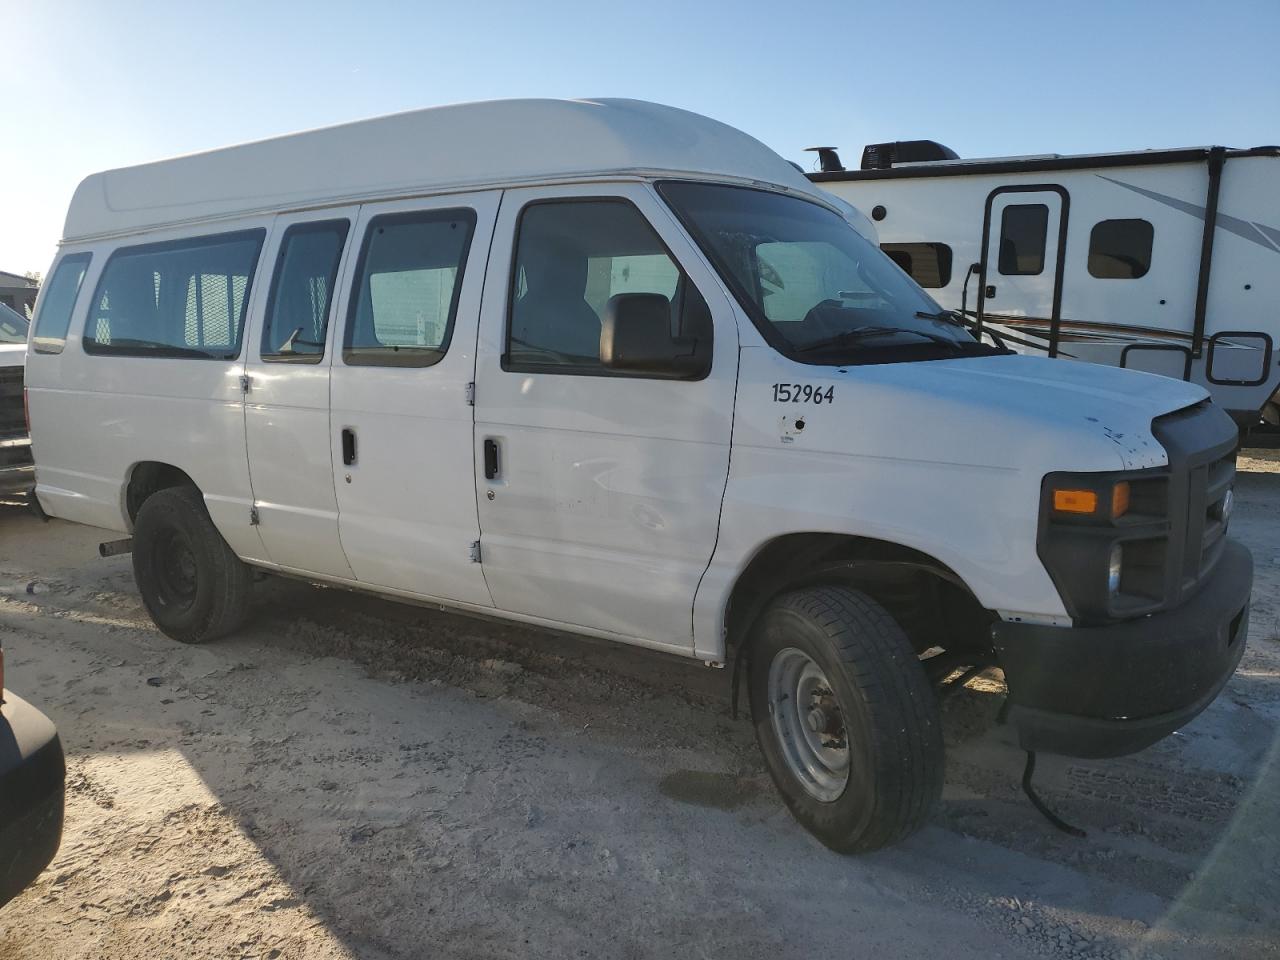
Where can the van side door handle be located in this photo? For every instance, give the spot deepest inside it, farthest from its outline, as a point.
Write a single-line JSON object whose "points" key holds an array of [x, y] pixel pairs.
{"points": [[348, 446], [490, 458]]}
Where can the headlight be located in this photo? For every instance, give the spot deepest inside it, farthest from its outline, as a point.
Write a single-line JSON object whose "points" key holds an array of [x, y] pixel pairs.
{"points": [[1224, 508], [1113, 569]]}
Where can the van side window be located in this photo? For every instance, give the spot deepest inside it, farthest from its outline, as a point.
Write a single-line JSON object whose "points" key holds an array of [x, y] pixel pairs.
{"points": [[56, 303], [302, 291], [1120, 249], [571, 257], [408, 280], [1023, 229], [929, 264], [182, 298]]}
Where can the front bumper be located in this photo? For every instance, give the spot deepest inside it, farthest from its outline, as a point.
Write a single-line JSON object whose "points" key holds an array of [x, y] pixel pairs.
{"points": [[32, 784], [1111, 690]]}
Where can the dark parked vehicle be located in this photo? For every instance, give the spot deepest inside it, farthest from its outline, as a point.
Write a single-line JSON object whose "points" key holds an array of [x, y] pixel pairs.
{"points": [[32, 784], [16, 471]]}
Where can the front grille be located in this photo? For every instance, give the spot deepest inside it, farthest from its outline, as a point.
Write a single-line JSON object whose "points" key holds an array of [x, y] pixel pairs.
{"points": [[1201, 443], [1220, 477], [13, 422]]}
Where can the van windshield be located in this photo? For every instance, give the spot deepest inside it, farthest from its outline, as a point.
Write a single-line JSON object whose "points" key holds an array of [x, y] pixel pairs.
{"points": [[818, 290]]}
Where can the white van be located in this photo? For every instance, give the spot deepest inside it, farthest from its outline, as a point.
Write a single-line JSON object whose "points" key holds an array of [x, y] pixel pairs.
{"points": [[617, 369]]}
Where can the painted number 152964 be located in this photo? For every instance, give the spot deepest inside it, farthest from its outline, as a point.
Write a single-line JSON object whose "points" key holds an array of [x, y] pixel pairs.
{"points": [[802, 393]]}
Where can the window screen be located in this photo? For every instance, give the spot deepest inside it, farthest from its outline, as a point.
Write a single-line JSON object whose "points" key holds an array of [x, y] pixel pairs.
{"points": [[302, 291], [929, 264], [1120, 249], [1023, 228], [409, 277], [571, 257], [57, 301], [186, 298]]}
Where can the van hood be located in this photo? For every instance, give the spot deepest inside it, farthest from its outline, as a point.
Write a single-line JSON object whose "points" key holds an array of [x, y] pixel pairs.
{"points": [[1022, 394], [1001, 412]]}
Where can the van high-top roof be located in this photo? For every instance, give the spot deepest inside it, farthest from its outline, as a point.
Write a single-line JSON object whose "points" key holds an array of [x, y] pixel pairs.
{"points": [[440, 149]]}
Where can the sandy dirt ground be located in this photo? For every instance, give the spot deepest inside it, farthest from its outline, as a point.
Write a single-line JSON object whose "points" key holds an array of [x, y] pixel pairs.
{"points": [[352, 778]]}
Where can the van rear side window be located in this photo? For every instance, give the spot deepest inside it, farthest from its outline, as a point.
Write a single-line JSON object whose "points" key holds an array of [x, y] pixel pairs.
{"points": [[57, 302], [408, 281], [183, 298], [302, 291]]}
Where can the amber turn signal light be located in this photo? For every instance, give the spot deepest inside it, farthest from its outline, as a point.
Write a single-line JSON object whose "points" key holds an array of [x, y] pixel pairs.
{"points": [[1075, 501], [1120, 499]]}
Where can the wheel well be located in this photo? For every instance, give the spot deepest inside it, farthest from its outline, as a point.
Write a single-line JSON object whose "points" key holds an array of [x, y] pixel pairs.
{"points": [[149, 477], [927, 599]]}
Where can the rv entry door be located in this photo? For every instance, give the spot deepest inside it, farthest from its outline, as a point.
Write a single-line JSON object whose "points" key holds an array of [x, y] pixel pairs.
{"points": [[1023, 244]]}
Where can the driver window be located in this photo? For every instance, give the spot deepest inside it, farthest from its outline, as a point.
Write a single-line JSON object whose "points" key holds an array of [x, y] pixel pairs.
{"points": [[571, 257]]}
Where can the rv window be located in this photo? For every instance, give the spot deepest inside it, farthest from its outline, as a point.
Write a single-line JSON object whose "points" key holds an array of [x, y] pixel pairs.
{"points": [[302, 291], [409, 279], [571, 257], [929, 264], [184, 298], [1023, 228], [56, 303], [1120, 249]]}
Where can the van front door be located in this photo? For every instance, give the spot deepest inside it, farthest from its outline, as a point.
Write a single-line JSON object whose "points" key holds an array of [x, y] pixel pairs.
{"points": [[401, 419], [1023, 253], [599, 489]]}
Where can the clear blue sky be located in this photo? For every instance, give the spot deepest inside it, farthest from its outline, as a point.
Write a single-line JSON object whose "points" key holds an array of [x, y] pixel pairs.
{"points": [[92, 85]]}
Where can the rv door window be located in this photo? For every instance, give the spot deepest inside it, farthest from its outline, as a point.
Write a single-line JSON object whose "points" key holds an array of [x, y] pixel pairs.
{"points": [[409, 277], [182, 298], [929, 264], [1023, 229], [302, 290], [56, 303], [1120, 249]]}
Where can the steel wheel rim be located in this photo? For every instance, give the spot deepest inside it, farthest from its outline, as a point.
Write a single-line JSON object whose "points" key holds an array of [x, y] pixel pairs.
{"points": [[808, 725], [175, 567]]}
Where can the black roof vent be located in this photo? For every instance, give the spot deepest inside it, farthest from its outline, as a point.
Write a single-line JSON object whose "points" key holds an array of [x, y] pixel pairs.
{"points": [[882, 156], [828, 159]]}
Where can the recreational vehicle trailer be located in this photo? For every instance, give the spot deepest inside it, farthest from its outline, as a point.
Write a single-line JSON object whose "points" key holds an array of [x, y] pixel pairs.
{"points": [[1166, 261]]}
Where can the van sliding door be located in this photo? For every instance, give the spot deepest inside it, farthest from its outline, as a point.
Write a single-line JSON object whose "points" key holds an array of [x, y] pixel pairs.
{"points": [[401, 421], [290, 350]]}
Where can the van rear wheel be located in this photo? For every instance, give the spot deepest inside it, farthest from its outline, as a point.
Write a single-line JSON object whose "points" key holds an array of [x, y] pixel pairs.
{"points": [[845, 717], [193, 586]]}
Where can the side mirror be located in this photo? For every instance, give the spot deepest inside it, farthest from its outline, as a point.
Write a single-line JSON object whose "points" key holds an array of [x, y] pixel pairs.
{"points": [[636, 336]]}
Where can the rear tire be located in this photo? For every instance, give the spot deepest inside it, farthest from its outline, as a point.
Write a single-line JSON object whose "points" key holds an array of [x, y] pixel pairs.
{"points": [[191, 583], [846, 718]]}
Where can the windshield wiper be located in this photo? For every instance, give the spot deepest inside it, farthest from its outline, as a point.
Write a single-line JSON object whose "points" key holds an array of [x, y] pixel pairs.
{"points": [[956, 318], [859, 333]]}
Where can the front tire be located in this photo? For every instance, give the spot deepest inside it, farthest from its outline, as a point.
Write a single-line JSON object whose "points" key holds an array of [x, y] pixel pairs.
{"points": [[845, 717], [193, 586]]}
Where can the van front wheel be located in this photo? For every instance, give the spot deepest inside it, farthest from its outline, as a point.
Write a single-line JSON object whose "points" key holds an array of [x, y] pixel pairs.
{"points": [[191, 583], [845, 717]]}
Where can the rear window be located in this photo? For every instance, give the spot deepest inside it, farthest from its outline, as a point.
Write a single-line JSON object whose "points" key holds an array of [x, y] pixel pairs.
{"points": [[57, 300], [184, 298], [929, 264]]}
